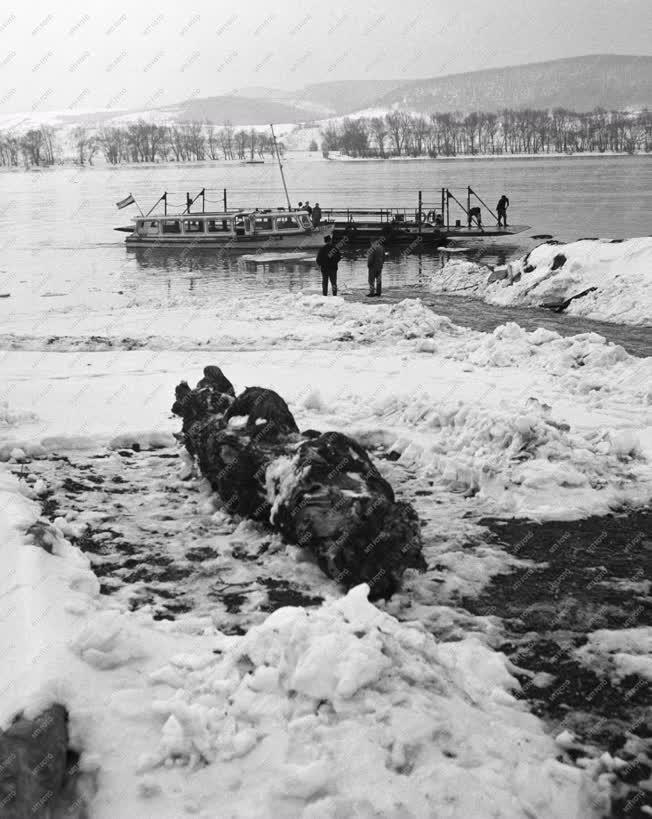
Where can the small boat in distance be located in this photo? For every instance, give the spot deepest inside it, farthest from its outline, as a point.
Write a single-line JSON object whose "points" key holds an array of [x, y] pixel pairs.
{"points": [[272, 229]]}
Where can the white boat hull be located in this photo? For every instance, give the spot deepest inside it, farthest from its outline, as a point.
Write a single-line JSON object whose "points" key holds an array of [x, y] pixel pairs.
{"points": [[289, 243]]}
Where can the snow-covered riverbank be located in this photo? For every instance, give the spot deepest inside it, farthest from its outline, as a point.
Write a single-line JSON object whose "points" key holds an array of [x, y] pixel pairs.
{"points": [[612, 280], [312, 708]]}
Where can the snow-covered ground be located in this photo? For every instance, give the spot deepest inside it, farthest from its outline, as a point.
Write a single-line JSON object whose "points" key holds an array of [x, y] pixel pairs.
{"points": [[347, 708], [617, 274]]}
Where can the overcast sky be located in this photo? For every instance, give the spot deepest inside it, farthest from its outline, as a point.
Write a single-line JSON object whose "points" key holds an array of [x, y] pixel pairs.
{"points": [[84, 55]]}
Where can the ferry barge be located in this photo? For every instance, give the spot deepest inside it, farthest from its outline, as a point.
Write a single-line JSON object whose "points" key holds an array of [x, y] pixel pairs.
{"points": [[430, 224]]}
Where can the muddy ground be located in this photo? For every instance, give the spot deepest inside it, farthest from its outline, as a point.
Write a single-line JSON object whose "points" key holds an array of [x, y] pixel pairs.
{"points": [[160, 542]]}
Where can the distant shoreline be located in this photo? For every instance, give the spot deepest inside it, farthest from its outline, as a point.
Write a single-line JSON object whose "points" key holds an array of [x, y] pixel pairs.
{"points": [[482, 157], [310, 156]]}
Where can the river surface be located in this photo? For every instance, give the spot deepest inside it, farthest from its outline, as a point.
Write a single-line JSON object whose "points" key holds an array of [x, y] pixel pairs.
{"points": [[57, 240]]}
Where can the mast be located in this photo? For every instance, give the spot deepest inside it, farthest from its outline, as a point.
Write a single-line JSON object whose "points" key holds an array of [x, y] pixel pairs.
{"points": [[280, 167]]}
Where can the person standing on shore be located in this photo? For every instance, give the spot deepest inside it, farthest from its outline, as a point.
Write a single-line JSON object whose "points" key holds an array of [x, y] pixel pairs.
{"points": [[501, 209], [328, 258], [375, 262]]}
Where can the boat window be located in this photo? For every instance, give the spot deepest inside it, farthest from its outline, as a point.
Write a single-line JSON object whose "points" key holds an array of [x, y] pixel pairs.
{"points": [[218, 226], [193, 226], [153, 224], [306, 221], [139, 224], [286, 223], [264, 223], [172, 226]]}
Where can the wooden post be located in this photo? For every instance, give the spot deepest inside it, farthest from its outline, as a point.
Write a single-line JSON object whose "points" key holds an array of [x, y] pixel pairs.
{"points": [[224, 200], [165, 203], [420, 205], [448, 209], [203, 200], [468, 205], [188, 201]]}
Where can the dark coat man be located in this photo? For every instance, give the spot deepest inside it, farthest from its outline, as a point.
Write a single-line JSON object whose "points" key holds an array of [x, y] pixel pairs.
{"points": [[375, 262], [328, 258]]}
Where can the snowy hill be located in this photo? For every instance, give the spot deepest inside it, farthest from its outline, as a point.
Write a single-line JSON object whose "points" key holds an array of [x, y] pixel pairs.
{"points": [[579, 83]]}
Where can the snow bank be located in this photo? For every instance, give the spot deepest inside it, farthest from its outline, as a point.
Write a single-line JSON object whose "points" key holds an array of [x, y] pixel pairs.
{"points": [[339, 711], [257, 321], [623, 651], [513, 416], [520, 457], [620, 272], [11, 417]]}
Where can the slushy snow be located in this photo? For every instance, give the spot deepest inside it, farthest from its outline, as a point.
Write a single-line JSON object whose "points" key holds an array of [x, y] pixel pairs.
{"points": [[338, 711]]}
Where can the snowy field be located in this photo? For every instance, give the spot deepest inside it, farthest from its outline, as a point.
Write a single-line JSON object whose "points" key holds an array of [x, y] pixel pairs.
{"points": [[341, 708], [606, 280]]}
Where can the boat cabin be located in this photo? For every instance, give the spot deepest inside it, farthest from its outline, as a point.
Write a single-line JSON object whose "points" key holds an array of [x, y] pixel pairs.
{"points": [[242, 223]]}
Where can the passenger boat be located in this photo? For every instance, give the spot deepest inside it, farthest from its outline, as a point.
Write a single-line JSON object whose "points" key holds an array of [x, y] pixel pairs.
{"points": [[271, 229]]}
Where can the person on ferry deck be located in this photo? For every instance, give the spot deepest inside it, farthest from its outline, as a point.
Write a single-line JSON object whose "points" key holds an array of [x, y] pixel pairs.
{"points": [[307, 208], [501, 209], [316, 215], [328, 259], [475, 213]]}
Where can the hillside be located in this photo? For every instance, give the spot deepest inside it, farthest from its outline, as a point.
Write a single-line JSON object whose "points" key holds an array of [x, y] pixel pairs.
{"points": [[345, 96], [240, 110], [579, 83]]}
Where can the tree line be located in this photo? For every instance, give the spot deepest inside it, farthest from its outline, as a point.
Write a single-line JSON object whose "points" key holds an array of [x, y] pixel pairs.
{"points": [[530, 131], [398, 133], [135, 142]]}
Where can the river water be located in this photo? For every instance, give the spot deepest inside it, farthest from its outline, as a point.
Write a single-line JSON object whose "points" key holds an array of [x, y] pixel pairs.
{"points": [[58, 243]]}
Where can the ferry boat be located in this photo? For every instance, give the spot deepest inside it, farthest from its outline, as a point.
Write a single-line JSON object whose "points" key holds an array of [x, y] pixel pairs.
{"points": [[271, 229]]}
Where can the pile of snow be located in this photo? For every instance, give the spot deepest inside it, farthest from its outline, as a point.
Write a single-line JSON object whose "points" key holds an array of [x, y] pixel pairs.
{"points": [[624, 651], [584, 364], [11, 417], [338, 711], [260, 320], [620, 272], [365, 712], [520, 458]]}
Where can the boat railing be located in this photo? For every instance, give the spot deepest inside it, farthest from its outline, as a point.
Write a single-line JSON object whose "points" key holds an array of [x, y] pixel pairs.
{"points": [[441, 213], [446, 211]]}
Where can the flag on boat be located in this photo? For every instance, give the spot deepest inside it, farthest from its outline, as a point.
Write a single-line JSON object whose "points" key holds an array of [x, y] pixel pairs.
{"points": [[128, 200]]}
